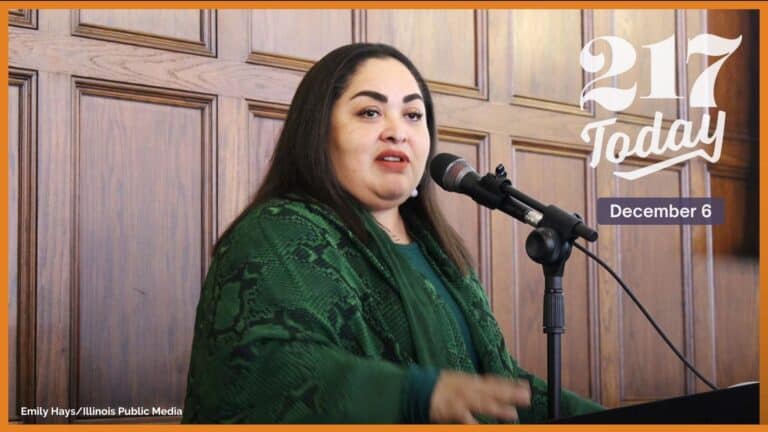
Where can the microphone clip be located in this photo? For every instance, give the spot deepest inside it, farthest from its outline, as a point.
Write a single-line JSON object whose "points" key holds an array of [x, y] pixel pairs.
{"points": [[496, 186]]}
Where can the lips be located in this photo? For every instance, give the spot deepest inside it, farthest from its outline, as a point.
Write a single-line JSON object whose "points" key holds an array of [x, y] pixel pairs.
{"points": [[393, 161], [393, 156]]}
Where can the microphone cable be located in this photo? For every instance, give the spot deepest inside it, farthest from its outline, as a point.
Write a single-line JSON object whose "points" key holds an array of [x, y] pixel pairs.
{"points": [[647, 315]]}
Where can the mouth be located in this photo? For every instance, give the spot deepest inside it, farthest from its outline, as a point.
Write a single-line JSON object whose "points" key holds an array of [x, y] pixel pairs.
{"points": [[393, 156]]}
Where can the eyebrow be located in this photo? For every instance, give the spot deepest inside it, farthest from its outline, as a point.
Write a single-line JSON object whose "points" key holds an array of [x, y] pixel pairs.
{"points": [[383, 99]]}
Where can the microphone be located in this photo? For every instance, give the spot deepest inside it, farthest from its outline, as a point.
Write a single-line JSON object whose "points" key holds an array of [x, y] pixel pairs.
{"points": [[455, 174]]}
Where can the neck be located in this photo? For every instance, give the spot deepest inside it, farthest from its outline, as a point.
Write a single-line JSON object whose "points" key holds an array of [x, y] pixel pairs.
{"points": [[393, 224]]}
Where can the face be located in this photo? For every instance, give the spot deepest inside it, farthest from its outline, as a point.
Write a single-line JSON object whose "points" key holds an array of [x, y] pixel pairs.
{"points": [[379, 138]]}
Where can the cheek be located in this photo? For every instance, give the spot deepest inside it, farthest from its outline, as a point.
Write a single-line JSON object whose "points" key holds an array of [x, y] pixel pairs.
{"points": [[347, 152], [354, 143], [421, 147]]}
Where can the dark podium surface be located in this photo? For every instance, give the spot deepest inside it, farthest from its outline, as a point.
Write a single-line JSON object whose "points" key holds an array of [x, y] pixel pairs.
{"points": [[736, 405]]}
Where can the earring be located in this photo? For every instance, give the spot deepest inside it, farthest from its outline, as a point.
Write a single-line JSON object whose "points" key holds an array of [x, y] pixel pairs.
{"points": [[414, 193]]}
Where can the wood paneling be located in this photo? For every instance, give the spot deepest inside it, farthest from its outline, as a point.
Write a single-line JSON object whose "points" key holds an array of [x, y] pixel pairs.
{"points": [[184, 30], [569, 191], [14, 141], [651, 262], [143, 236], [147, 66], [562, 33], [735, 247], [23, 18], [738, 78], [430, 37], [54, 250], [245, 153], [294, 39], [22, 151], [266, 123], [736, 270], [179, 110], [465, 216], [181, 24], [645, 27]]}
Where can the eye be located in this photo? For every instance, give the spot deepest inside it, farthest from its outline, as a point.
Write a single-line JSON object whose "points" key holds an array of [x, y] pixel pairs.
{"points": [[414, 116], [369, 113]]}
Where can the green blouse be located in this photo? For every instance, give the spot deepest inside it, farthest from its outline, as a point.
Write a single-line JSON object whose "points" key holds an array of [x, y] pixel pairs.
{"points": [[421, 381], [301, 322]]}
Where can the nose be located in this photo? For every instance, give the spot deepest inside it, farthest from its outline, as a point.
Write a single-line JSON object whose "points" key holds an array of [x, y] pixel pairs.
{"points": [[394, 132]]}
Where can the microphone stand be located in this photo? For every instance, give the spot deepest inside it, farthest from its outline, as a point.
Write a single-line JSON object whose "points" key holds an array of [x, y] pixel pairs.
{"points": [[550, 245]]}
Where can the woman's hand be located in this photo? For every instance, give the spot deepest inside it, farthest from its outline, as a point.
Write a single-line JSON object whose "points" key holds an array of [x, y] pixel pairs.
{"points": [[457, 396]]}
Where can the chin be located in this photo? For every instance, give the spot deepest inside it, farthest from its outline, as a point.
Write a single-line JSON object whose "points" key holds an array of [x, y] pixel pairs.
{"points": [[387, 201]]}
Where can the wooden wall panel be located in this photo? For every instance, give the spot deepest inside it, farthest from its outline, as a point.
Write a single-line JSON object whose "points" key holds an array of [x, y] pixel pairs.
{"points": [[266, 123], [244, 161], [429, 37], [171, 23], [23, 18], [14, 141], [465, 216], [644, 27], [184, 30], [571, 192], [143, 235], [651, 262], [736, 270], [559, 33], [294, 39], [735, 247], [22, 125], [149, 66], [738, 78], [233, 164], [54, 249]]}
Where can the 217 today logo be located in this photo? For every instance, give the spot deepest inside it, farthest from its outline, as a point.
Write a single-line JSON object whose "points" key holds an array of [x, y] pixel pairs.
{"points": [[663, 74]]}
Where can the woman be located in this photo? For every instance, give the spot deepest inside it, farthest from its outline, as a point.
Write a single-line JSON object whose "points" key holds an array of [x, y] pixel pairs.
{"points": [[341, 295]]}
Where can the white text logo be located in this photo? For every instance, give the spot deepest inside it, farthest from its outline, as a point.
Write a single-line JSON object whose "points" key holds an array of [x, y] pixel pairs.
{"points": [[618, 146]]}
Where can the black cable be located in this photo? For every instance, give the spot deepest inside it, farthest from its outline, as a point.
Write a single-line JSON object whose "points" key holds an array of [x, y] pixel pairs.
{"points": [[645, 312]]}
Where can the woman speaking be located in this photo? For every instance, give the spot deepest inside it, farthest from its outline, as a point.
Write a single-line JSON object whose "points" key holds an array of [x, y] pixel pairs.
{"points": [[341, 295]]}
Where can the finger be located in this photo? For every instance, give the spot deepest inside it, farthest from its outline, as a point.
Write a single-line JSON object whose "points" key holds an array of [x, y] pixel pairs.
{"points": [[466, 417], [497, 409], [525, 393], [513, 392]]}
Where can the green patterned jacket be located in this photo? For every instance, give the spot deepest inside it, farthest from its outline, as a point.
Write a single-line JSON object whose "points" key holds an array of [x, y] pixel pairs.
{"points": [[300, 322]]}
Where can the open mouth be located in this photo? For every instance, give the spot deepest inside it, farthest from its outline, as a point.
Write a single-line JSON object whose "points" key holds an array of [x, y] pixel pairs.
{"points": [[392, 159], [392, 156]]}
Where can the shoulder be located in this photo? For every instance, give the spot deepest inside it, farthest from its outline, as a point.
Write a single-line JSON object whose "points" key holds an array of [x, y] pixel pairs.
{"points": [[279, 229], [279, 219], [278, 262]]}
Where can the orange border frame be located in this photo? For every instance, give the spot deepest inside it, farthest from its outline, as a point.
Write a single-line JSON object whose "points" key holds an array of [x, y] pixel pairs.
{"points": [[418, 4]]}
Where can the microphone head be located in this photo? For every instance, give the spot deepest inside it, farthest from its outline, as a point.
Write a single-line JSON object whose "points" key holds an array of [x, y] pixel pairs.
{"points": [[447, 170]]}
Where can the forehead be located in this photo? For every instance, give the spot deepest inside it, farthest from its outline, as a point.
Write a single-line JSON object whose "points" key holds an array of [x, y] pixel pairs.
{"points": [[384, 75]]}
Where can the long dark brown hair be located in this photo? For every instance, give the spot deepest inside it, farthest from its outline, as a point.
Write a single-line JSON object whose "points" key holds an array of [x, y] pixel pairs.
{"points": [[301, 163]]}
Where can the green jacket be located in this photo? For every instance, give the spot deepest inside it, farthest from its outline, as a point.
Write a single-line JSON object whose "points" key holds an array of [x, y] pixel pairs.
{"points": [[300, 322]]}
